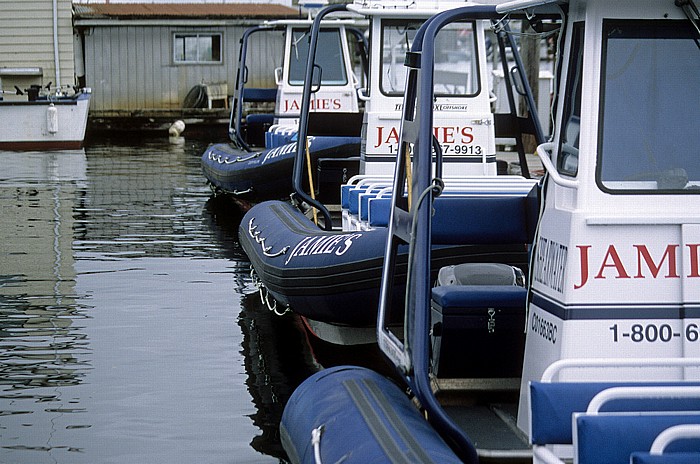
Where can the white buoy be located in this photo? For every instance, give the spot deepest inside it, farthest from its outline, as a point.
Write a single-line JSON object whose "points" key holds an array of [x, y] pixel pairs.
{"points": [[176, 128], [52, 119]]}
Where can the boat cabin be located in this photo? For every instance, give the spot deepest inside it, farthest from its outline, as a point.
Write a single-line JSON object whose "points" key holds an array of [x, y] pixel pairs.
{"points": [[464, 123], [614, 269], [336, 79]]}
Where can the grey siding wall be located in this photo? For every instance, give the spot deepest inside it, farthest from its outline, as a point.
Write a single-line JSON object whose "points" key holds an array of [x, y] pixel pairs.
{"points": [[26, 40], [131, 67]]}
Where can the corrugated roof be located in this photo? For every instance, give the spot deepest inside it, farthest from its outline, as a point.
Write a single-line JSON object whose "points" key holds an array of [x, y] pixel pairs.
{"points": [[183, 10]]}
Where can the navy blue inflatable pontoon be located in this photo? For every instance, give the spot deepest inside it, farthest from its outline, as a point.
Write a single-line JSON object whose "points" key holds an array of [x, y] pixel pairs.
{"points": [[354, 415], [334, 276], [266, 175]]}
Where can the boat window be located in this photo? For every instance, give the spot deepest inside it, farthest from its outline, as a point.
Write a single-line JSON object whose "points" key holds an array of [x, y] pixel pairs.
{"points": [[567, 161], [197, 48], [649, 141], [329, 56], [455, 67]]}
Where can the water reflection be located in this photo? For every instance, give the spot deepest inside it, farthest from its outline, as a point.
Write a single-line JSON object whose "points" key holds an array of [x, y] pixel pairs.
{"points": [[126, 334], [37, 278], [276, 362], [43, 344], [275, 353]]}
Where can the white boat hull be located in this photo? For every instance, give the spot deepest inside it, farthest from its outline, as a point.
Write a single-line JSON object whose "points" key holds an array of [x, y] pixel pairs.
{"points": [[54, 124]]}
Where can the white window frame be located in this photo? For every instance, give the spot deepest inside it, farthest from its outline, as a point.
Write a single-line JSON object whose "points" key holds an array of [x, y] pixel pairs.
{"points": [[181, 35]]}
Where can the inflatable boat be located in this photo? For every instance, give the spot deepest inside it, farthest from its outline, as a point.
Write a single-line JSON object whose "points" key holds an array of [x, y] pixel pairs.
{"points": [[266, 175], [334, 276], [328, 270], [256, 164], [610, 315]]}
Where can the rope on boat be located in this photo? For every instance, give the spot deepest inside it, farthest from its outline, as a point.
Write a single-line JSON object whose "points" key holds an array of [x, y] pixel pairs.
{"points": [[436, 188], [241, 192], [265, 294], [316, 443], [240, 159], [409, 177], [311, 180], [221, 159], [255, 234]]}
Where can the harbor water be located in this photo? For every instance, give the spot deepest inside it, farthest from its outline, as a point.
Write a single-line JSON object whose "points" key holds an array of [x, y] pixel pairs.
{"points": [[130, 328]]}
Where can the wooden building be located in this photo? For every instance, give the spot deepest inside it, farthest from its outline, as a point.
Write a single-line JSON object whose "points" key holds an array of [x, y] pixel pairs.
{"points": [[36, 43], [141, 60]]}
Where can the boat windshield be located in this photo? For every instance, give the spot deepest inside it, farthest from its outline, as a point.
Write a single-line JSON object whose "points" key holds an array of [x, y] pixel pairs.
{"points": [[649, 140], [329, 56], [455, 58]]}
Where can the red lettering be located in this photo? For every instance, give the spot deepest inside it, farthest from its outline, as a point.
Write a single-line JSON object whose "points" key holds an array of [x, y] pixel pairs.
{"points": [[643, 255], [467, 136], [616, 262], [289, 106], [337, 104], [694, 259], [644, 260], [380, 129], [444, 134], [583, 253], [393, 136], [448, 135]]}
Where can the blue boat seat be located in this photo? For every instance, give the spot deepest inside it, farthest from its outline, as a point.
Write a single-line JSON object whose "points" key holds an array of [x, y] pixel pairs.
{"points": [[552, 405], [610, 438], [477, 211], [259, 118], [690, 457], [355, 195], [466, 219], [256, 124], [630, 431], [661, 450], [359, 182], [369, 196], [256, 128], [477, 327], [278, 135]]}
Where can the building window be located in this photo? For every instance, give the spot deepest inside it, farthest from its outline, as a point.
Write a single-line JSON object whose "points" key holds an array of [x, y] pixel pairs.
{"points": [[197, 48]]}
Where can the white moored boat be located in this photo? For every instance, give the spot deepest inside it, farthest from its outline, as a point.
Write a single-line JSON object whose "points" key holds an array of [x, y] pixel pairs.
{"points": [[54, 121]]}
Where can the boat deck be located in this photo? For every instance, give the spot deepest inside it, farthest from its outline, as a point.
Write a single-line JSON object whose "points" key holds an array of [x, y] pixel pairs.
{"points": [[486, 410]]}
